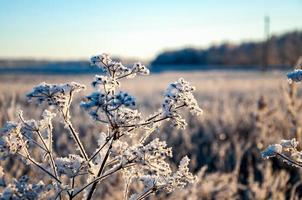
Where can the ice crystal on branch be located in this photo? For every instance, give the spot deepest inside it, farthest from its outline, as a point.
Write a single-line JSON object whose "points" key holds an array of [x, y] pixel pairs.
{"points": [[180, 178], [32, 127]]}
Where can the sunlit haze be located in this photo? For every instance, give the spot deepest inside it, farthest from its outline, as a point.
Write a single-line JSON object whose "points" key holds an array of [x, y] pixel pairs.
{"points": [[54, 29]]}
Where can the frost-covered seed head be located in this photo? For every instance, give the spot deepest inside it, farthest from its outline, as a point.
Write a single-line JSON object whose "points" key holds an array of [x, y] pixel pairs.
{"points": [[70, 165], [287, 144], [272, 150], [140, 69], [295, 75], [11, 141], [59, 95], [180, 93], [100, 60]]}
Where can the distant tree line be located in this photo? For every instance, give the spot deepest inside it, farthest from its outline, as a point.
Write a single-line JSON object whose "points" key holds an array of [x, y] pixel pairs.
{"points": [[283, 50]]}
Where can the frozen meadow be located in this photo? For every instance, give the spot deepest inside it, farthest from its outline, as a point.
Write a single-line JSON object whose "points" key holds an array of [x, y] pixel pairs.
{"points": [[243, 113]]}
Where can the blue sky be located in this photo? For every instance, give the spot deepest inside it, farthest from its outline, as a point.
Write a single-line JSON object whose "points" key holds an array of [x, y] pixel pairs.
{"points": [[77, 29]]}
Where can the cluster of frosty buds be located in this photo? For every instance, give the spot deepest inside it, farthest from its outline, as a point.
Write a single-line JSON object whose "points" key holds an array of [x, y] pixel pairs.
{"points": [[107, 83], [123, 98], [22, 189], [179, 94], [70, 166], [116, 69], [59, 95], [167, 181], [177, 120], [43, 126], [295, 75], [11, 140], [287, 150], [181, 177], [98, 102], [149, 157], [126, 116], [139, 68]]}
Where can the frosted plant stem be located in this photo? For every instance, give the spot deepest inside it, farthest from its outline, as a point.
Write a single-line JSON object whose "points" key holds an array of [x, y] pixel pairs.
{"points": [[75, 135], [146, 193], [41, 167], [35, 142], [98, 151], [52, 161], [72, 188], [93, 187], [290, 160], [45, 148], [127, 188], [98, 179], [77, 140]]}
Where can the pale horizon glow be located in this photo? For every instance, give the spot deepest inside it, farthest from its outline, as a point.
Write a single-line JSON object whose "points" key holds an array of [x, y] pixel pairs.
{"points": [[53, 29]]}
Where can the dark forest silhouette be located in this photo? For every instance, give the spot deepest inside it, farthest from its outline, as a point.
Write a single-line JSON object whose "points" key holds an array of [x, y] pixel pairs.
{"points": [[282, 50]]}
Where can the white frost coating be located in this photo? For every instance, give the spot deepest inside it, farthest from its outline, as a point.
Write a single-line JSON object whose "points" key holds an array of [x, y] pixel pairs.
{"points": [[293, 143], [125, 146], [295, 75], [70, 166], [286, 150], [272, 150]]}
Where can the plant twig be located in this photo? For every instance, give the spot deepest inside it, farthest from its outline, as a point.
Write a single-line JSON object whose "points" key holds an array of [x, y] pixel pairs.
{"points": [[93, 187]]}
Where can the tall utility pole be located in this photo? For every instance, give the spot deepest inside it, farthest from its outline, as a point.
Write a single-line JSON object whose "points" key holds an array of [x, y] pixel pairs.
{"points": [[266, 42]]}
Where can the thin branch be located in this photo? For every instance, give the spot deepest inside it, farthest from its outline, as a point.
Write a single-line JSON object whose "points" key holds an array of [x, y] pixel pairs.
{"points": [[127, 188], [98, 151], [147, 193], [123, 76], [77, 139], [97, 180], [52, 161], [93, 188], [289, 160], [41, 167], [35, 142], [45, 148], [72, 187], [145, 123]]}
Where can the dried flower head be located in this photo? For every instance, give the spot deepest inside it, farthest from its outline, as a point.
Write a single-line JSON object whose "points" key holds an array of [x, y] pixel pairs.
{"points": [[116, 70], [70, 166], [12, 141], [295, 75], [271, 150], [22, 189], [180, 93]]}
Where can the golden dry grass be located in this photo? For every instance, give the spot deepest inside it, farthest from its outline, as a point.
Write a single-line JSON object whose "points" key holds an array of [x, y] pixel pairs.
{"points": [[227, 139]]}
